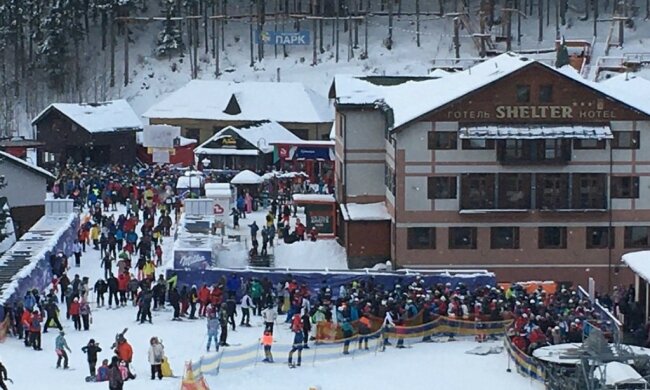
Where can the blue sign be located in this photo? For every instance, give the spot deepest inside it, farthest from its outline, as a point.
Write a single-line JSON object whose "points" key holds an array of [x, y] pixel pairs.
{"points": [[313, 153], [192, 259], [283, 38]]}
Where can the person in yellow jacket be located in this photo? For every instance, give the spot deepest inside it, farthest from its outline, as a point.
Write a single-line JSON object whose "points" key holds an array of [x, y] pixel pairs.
{"points": [[149, 270], [94, 236]]}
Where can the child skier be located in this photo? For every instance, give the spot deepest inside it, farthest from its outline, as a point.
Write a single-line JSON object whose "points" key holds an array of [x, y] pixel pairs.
{"points": [[267, 341], [213, 329], [296, 328]]}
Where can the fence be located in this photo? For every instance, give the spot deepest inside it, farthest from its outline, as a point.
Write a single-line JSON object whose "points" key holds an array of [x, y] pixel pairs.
{"points": [[525, 365], [331, 349]]}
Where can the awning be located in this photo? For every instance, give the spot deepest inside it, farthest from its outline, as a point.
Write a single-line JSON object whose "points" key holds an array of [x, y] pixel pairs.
{"points": [[535, 132]]}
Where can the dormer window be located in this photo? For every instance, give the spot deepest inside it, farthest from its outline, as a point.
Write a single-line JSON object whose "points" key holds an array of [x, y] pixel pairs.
{"points": [[233, 106]]}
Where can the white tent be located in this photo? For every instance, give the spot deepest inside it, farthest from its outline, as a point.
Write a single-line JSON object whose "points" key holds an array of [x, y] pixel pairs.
{"points": [[247, 177]]}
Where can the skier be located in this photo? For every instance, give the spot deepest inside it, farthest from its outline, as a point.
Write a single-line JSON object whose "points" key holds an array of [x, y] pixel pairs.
{"points": [[254, 229], [223, 322], [193, 298], [348, 331], [52, 316], [156, 356], [74, 313], [213, 329], [86, 314], [246, 306], [231, 307], [61, 345], [3, 377], [269, 315], [112, 291], [76, 249], [267, 342], [235, 218], [296, 328], [174, 300], [35, 330], [100, 290], [91, 349], [125, 353]]}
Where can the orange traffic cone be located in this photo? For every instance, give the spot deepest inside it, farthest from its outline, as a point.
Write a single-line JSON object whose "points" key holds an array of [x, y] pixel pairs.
{"points": [[189, 383]]}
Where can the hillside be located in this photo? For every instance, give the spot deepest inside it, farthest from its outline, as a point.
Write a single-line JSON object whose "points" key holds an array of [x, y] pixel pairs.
{"points": [[151, 77]]}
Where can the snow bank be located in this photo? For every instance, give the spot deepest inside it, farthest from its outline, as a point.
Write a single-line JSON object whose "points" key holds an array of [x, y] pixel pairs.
{"points": [[311, 255], [246, 177]]}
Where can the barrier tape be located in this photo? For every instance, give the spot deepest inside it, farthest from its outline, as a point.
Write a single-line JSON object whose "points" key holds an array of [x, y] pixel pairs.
{"points": [[331, 349]]}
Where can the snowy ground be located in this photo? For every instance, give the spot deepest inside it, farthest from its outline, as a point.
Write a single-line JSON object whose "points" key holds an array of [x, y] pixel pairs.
{"points": [[324, 253], [186, 341]]}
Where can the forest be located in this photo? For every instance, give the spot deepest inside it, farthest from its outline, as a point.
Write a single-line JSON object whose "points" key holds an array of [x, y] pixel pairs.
{"points": [[75, 50]]}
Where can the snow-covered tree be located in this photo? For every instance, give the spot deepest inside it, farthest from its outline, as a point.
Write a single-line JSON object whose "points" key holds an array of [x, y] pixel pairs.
{"points": [[562, 57], [170, 39], [54, 49]]}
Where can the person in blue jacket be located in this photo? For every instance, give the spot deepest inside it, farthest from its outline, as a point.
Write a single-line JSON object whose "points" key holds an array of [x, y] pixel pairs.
{"points": [[232, 285]]}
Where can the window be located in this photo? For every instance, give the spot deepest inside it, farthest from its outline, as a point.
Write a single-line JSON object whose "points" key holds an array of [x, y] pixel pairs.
{"points": [[514, 191], [441, 187], [474, 144], [552, 238], [504, 238], [625, 187], [625, 140], [443, 140], [597, 237], [552, 191], [462, 238], [523, 93], [589, 191], [534, 151], [421, 238], [477, 191], [193, 134], [589, 144], [637, 236], [546, 93]]}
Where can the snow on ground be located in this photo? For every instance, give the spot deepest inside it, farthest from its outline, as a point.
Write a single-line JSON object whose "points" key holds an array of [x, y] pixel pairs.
{"points": [[186, 341]]}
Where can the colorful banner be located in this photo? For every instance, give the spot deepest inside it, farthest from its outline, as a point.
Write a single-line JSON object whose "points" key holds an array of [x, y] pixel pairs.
{"points": [[192, 259], [526, 365], [334, 280]]}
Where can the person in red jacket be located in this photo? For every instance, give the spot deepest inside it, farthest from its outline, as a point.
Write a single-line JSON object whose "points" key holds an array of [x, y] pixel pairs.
{"points": [[537, 339], [204, 298], [74, 313], [300, 230], [125, 352], [35, 330], [122, 286], [216, 296], [26, 320]]}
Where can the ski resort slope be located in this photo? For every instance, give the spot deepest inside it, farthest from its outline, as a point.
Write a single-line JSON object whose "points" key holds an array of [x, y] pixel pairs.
{"points": [[431, 364]]}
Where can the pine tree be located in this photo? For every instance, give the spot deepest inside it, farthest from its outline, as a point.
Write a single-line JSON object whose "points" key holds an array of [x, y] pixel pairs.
{"points": [[54, 47], [4, 212], [562, 57], [170, 39]]}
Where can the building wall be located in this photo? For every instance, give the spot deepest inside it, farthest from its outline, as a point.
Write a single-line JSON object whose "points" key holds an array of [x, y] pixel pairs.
{"points": [[24, 188], [25, 217], [59, 133], [361, 153], [366, 243]]}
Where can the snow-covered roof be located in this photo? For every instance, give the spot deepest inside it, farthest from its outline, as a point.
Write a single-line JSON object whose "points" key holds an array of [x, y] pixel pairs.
{"points": [[323, 198], [365, 212], [227, 152], [260, 134], [208, 99], [114, 115], [246, 177], [19, 161], [639, 262], [535, 132], [617, 374], [436, 92], [183, 141]]}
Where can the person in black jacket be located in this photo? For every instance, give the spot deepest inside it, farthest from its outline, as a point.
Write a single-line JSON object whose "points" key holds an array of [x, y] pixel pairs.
{"points": [[231, 308], [223, 321], [91, 350], [100, 290], [112, 291], [174, 300], [3, 377], [52, 311]]}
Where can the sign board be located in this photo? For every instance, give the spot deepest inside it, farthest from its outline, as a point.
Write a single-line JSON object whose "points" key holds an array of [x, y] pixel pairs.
{"points": [[228, 142], [283, 38], [192, 259], [160, 136], [160, 156], [320, 217]]}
